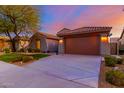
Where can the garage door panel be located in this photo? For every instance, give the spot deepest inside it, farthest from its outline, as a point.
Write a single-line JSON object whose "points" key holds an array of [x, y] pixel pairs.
{"points": [[85, 45]]}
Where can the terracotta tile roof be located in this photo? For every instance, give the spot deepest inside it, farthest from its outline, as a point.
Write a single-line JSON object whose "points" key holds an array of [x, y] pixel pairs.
{"points": [[21, 38], [50, 36], [83, 30]]}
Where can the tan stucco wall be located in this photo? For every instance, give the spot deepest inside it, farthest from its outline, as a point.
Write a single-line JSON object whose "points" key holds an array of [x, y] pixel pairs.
{"points": [[52, 45], [42, 39], [105, 46], [61, 46]]}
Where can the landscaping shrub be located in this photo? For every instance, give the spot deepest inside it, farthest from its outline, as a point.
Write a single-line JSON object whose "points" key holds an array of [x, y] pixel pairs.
{"points": [[22, 50], [119, 60], [7, 50], [110, 61], [38, 56], [37, 50], [27, 58], [115, 77], [33, 50], [16, 59], [11, 57], [30, 50]]}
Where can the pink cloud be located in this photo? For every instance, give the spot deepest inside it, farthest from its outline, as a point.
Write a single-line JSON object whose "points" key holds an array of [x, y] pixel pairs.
{"points": [[93, 16], [102, 16], [54, 27]]}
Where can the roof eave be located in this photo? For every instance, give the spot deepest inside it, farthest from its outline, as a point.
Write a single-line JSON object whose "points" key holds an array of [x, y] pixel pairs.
{"points": [[62, 32], [61, 35]]}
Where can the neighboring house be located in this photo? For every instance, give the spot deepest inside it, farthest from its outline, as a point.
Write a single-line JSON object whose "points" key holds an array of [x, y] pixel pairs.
{"points": [[42, 41], [85, 40], [45, 42], [114, 45], [121, 43], [21, 42], [4, 43]]}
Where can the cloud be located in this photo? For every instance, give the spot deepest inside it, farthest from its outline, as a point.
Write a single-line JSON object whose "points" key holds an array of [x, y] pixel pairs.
{"points": [[78, 16]]}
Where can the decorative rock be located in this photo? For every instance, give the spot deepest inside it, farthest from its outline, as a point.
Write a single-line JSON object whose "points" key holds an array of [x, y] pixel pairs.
{"points": [[21, 62], [117, 56], [115, 68], [103, 59]]}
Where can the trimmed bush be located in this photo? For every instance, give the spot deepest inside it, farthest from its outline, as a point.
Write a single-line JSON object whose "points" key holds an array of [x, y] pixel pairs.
{"points": [[11, 57], [37, 50], [33, 50], [119, 60], [38, 56], [115, 77], [27, 58], [16, 59], [22, 50], [110, 61], [30, 50], [7, 50]]}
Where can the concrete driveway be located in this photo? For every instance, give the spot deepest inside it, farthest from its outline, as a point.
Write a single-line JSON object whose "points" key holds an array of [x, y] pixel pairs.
{"points": [[54, 71]]}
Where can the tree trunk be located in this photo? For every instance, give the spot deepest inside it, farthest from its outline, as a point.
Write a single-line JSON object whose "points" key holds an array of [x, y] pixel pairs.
{"points": [[12, 41], [13, 46]]}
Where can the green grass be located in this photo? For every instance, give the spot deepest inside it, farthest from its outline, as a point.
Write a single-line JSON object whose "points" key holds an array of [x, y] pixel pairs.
{"points": [[10, 57], [38, 56], [13, 57]]}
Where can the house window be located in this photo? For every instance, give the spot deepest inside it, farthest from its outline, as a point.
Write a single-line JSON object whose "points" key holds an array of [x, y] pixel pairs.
{"points": [[38, 44]]}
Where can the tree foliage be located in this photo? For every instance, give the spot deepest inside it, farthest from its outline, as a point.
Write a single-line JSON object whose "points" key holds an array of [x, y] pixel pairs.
{"points": [[15, 20]]}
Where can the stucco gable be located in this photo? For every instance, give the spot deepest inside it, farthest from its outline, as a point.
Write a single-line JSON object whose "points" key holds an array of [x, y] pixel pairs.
{"points": [[45, 35]]}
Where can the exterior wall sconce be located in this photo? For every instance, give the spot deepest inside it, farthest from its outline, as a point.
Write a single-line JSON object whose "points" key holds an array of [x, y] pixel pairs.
{"points": [[104, 39], [61, 41]]}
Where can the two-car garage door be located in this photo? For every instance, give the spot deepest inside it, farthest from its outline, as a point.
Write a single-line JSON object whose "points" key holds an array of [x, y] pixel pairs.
{"points": [[83, 45]]}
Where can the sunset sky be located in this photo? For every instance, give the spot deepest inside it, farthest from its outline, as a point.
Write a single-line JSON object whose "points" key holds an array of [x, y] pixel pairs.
{"points": [[55, 18]]}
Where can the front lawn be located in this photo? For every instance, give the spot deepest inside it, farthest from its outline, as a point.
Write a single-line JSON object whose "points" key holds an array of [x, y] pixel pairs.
{"points": [[17, 58], [38, 56], [10, 57]]}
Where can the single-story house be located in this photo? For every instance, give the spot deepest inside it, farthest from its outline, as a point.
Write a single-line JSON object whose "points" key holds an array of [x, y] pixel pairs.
{"points": [[20, 42], [85, 40], [44, 41]]}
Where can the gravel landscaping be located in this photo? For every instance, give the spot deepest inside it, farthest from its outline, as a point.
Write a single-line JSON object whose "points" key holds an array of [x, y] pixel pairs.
{"points": [[112, 76]]}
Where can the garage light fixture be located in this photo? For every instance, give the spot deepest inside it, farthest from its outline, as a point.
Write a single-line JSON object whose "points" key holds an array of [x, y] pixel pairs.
{"points": [[104, 39], [60, 41]]}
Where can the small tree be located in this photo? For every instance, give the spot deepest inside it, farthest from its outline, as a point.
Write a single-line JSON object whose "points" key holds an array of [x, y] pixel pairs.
{"points": [[16, 20]]}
